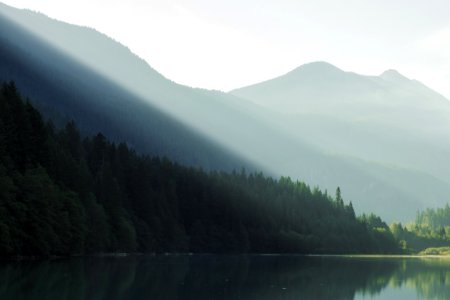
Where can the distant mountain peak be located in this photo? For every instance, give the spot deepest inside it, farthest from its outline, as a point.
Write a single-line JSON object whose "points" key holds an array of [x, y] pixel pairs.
{"points": [[320, 66], [316, 69], [394, 76]]}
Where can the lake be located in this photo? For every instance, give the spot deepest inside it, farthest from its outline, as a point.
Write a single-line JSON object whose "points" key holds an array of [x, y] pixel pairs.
{"points": [[200, 277]]}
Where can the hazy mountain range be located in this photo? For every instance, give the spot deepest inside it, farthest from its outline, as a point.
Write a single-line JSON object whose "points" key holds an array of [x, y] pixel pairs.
{"points": [[382, 139], [387, 118]]}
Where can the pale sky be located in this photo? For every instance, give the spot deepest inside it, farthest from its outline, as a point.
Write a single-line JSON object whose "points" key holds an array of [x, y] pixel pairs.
{"points": [[232, 43]]}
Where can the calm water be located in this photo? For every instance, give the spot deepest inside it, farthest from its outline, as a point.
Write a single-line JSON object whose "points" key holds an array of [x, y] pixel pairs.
{"points": [[226, 277]]}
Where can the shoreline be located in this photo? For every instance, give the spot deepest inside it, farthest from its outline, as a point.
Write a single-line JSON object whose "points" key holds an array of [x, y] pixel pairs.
{"points": [[124, 255], [374, 256]]}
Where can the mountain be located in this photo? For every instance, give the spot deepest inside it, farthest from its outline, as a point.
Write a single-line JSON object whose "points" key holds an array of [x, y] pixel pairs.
{"points": [[65, 88], [72, 72], [64, 195], [321, 88], [388, 121]]}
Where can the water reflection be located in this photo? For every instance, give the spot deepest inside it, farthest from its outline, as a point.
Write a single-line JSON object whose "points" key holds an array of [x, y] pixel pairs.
{"points": [[225, 277]]}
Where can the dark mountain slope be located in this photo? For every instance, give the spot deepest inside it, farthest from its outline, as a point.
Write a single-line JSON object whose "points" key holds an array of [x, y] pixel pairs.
{"points": [[61, 195], [81, 74], [61, 86]]}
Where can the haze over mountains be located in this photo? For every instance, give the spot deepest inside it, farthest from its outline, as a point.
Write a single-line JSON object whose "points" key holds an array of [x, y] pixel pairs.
{"points": [[394, 123], [64, 88], [388, 119], [382, 139]]}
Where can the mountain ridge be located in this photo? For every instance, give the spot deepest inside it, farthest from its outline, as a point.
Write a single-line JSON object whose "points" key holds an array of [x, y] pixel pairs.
{"points": [[57, 82], [387, 119], [191, 126]]}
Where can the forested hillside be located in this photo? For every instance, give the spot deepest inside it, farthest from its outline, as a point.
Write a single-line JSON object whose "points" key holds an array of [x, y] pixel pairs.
{"points": [[64, 89], [77, 73], [64, 194]]}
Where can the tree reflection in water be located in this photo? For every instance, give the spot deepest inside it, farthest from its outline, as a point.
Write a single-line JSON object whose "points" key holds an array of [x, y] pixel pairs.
{"points": [[222, 277]]}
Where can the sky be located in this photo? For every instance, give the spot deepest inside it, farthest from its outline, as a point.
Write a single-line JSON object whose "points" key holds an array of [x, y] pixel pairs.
{"points": [[227, 44]]}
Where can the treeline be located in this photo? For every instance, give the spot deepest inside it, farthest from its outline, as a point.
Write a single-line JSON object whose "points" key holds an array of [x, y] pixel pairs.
{"points": [[434, 220], [61, 194], [431, 229]]}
